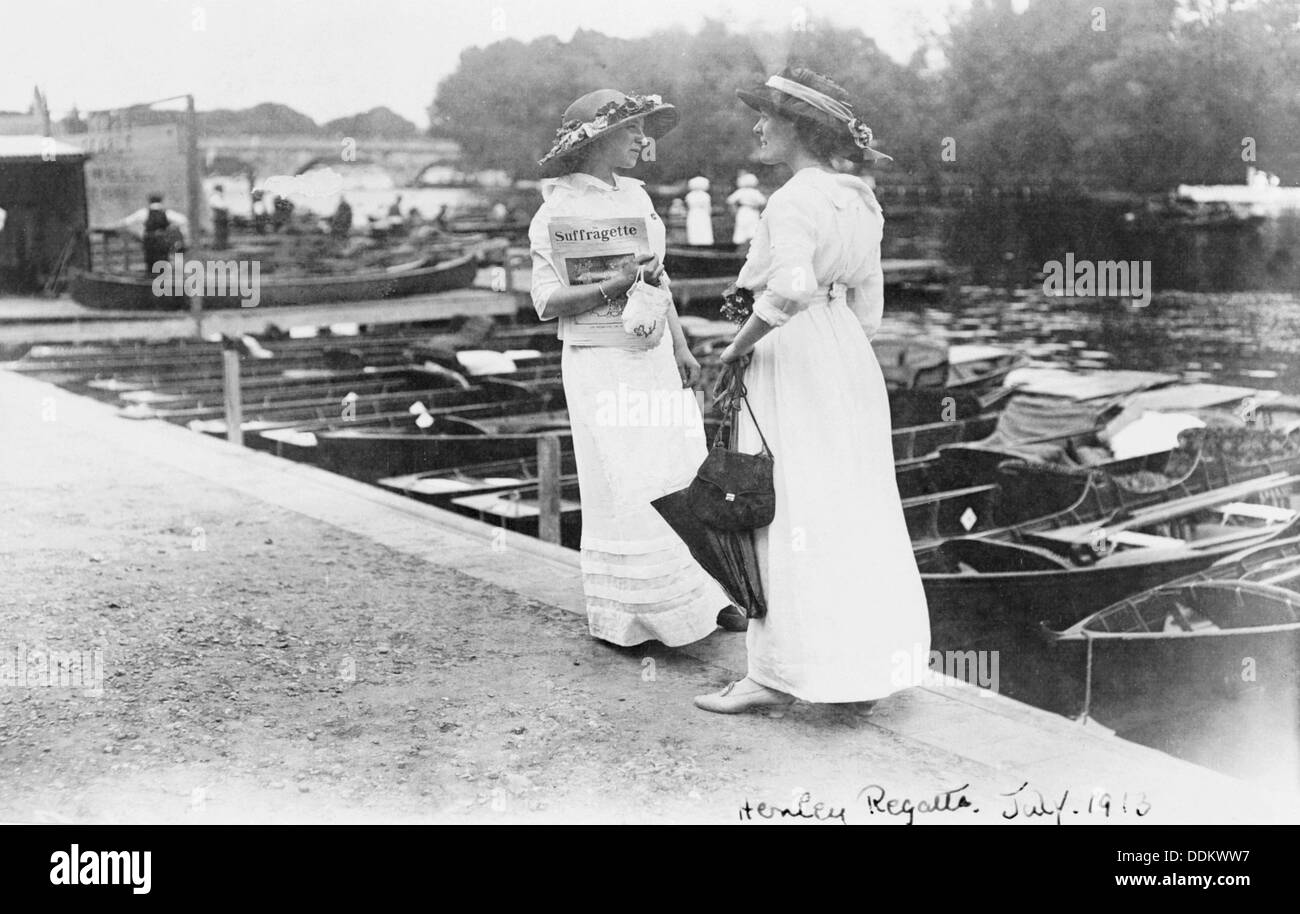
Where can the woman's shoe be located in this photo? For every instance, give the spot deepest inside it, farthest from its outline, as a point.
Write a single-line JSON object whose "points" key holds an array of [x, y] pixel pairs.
{"points": [[741, 696], [732, 619]]}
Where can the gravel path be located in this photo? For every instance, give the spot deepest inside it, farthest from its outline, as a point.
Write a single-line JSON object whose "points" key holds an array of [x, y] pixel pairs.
{"points": [[263, 666]]}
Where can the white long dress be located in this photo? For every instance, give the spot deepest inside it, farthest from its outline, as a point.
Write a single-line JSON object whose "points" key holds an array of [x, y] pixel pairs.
{"points": [[637, 434], [749, 205], [847, 614], [699, 218]]}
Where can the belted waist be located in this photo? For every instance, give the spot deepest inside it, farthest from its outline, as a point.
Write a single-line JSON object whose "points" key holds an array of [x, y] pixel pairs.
{"points": [[836, 291]]}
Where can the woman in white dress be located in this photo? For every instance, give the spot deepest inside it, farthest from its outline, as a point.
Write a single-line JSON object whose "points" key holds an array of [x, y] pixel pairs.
{"points": [[640, 580], [747, 202], [699, 213], [846, 608]]}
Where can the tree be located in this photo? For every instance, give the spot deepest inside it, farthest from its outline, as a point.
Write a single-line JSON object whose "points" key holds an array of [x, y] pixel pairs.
{"points": [[505, 101], [377, 123], [1136, 95]]}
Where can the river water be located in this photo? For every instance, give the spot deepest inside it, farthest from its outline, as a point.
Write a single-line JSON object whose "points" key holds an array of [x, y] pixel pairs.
{"points": [[1246, 338]]}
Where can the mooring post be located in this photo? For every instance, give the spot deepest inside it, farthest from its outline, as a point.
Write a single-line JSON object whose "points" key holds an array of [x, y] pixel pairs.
{"points": [[234, 401], [548, 488], [510, 261], [196, 312]]}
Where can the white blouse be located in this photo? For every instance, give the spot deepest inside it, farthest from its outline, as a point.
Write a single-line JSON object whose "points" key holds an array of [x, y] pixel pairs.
{"points": [[818, 229], [584, 195]]}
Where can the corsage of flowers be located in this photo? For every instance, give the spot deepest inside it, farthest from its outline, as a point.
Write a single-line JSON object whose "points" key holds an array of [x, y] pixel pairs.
{"points": [[862, 136], [574, 132], [737, 303]]}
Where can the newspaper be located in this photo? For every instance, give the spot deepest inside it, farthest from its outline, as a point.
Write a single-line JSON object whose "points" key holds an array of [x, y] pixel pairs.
{"points": [[585, 251]]}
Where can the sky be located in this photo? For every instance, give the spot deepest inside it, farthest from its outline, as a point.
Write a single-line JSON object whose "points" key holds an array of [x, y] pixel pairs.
{"points": [[331, 58]]}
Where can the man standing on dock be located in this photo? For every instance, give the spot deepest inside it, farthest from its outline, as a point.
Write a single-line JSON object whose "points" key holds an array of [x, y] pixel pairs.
{"points": [[220, 218], [157, 244], [161, 231], [341, 223]]}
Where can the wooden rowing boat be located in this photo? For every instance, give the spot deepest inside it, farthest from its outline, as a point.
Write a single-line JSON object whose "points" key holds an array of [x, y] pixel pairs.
{"points": [[1055, 571], [1204, 637], [687, 261], [518, 509], [107, 291], [370, 454]]}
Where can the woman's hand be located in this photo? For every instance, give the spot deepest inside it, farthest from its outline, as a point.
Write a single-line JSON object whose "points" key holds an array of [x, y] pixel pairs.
{"points": [[648, 262], [618, 282], [687, 366], [728, 380], [732, 356]]}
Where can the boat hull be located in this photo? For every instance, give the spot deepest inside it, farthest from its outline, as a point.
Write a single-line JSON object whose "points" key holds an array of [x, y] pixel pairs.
{"points": [[1057, 598], [1136, 682], [1001, 614], [370, 456], [104, 291], [705, 261]]}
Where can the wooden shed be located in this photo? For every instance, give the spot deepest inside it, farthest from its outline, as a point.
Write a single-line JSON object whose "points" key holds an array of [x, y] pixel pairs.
{"points": [[43, 194]]}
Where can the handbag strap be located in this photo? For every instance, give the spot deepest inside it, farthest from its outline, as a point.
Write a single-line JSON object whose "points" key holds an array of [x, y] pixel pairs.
{"points": [[738, 392]]}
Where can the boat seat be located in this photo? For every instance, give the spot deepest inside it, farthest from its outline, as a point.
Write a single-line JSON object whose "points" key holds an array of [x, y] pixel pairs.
{"points": [[459, 425], [1258, 512], [1184, 618], [1143, 540], [993, 555]]}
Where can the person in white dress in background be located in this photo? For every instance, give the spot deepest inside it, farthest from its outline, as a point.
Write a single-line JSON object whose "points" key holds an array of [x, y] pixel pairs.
{"points": [[747, 202], [845, 599], [699, 213], [640, 580]]}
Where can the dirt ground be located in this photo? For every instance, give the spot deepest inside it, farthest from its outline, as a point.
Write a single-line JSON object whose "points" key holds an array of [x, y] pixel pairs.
{"points": [[262, 666]]}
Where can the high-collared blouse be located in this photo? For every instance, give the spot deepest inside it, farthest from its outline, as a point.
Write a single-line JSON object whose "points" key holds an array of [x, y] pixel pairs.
{"points": [[818, 229], [585, 196]]}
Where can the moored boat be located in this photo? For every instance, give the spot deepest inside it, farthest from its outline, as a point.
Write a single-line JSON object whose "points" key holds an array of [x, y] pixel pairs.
{"points": [[1055, 571], [108, 291], [1034, 494], [1204, 637], [370, 454], [700, 261], [439, 487], [518, 509]]}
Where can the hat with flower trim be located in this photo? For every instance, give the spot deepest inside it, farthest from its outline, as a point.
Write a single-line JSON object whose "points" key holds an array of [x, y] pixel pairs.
{"points": [[596, 114]]}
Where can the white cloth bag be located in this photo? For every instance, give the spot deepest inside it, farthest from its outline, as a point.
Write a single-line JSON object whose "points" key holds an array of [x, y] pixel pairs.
{"points": [[646, 311]]}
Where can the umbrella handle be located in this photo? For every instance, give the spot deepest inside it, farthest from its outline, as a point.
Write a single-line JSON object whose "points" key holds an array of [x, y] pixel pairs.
{"points": [[736, 394]]}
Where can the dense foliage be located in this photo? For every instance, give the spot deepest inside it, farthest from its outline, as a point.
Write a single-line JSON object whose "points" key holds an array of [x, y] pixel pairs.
{"points": [[1136, 95]]}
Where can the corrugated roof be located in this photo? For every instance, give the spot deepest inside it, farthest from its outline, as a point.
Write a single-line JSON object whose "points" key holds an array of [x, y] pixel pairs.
{"points": [[37, 149]]}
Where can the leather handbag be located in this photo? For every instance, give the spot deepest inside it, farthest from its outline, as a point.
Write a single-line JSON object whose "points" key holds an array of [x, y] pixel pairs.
{"points": [[733, 490]]}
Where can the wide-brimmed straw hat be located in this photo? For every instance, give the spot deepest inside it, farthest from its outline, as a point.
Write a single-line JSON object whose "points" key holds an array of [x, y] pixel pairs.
{"points": [[596, 114], [788, 98]]}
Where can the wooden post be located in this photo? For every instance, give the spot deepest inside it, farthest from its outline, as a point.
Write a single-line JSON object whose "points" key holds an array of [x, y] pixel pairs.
{"points": [[234, 401], [196, 312], [193, 179], [510, 261], [548, 488]]}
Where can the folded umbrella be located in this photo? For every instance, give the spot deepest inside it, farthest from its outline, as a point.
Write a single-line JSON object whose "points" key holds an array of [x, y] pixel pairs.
{"points": [[729, 557]]}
